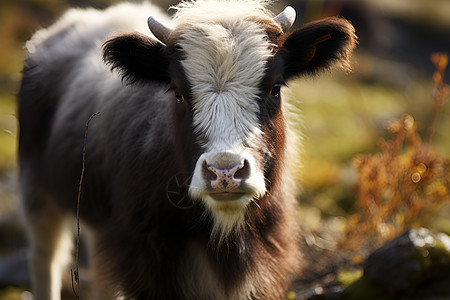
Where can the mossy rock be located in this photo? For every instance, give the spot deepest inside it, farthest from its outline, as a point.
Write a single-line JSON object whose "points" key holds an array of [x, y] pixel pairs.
{"points": [[415, 265]]}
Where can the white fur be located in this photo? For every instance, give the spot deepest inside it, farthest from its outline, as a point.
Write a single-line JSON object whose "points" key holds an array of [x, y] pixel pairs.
{"points": [[226, 55], [92, 24], [51, 245]]}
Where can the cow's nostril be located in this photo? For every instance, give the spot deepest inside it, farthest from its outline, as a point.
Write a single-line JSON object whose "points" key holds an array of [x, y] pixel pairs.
{"points": [[208, 173], [243, 172]]}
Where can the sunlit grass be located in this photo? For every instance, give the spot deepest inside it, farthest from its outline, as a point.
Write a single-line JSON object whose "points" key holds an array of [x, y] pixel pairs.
{"points": [[14, 293], [341, 117], [405, 182], [344, 116], [8, 131]]}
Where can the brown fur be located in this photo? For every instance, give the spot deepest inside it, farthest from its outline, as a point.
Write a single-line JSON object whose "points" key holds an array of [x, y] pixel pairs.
{"points": [[146, 244]]}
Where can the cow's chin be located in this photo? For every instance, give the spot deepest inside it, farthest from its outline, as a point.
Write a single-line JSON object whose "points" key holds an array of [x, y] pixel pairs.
{"points": [[227, 211]]}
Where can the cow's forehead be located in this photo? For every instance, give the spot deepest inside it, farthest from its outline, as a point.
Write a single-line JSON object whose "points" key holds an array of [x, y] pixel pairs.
{"points": [[204, 11], [222, 56], [225, 65]]}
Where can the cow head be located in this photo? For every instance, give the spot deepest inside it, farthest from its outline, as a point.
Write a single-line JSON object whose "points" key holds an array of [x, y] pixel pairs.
{"points": [[226, 68]]}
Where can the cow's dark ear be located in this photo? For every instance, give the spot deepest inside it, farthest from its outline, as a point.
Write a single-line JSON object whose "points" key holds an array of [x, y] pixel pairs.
{"points": [[317, 46], [137, 57]]}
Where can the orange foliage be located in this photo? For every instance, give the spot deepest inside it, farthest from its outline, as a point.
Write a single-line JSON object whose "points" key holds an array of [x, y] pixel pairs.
{"points": [[404, 184]]}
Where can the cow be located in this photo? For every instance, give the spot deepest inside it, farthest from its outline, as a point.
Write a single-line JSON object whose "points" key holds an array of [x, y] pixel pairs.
{"points": [[187, 191]]}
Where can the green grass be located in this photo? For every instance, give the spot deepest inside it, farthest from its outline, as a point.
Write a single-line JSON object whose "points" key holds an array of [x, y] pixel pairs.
{"points": [[13, 293], [8, 131], [344, 116]]}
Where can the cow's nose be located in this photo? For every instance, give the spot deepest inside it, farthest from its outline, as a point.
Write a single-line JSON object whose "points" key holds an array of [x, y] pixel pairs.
{"points": [[225, 175]]}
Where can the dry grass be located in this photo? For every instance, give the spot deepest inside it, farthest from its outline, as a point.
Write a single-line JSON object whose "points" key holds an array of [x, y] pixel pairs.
{"points": [[402, 185]]}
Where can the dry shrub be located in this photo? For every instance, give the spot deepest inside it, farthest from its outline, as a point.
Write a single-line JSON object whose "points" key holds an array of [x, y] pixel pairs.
{"points": [[402, 185]]}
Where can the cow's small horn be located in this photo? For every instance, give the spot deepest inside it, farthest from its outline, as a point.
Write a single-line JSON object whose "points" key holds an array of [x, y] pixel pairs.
{"points": [[161, 32], [286, 18]]}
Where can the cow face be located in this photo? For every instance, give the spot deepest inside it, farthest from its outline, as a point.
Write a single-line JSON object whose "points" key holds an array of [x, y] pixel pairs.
{"points": [[227, 71]]}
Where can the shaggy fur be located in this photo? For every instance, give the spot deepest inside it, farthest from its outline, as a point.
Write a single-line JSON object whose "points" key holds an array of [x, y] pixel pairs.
{"points": [[184, 125]]}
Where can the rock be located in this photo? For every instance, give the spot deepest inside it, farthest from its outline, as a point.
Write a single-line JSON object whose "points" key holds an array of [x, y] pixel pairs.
{"points": [[409, 261]]}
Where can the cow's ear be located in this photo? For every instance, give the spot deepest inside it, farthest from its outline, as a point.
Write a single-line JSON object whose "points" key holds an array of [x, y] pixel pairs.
{"points": [[317, 46], [137, 57]]}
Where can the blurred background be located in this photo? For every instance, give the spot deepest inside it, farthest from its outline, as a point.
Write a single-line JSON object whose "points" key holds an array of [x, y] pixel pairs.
{"points": [[346, 118]]}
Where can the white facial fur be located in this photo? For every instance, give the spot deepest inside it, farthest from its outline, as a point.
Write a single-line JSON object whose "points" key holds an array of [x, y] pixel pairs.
{"points": [[225, 62]]}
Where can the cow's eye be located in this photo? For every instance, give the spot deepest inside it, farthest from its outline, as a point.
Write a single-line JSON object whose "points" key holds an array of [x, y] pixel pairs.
{"points": [[273, 99], [275, 91], [177, 94]]}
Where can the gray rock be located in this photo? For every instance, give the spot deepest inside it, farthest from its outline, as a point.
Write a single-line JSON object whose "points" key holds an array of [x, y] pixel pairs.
{"points": [[411, 259]]}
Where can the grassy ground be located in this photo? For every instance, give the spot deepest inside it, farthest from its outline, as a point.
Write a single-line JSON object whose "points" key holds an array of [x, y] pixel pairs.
{"points": [[8, 131], [343, 117]]}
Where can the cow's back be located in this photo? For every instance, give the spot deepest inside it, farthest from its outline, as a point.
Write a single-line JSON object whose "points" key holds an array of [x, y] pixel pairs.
{"points": [[65, 81]]}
